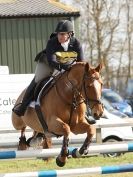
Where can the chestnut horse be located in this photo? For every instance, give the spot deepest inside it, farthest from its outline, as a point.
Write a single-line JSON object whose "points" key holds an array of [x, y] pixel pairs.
{"points": [[64, 107]]}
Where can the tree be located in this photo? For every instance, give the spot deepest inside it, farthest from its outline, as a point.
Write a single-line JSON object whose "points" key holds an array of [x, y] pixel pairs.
{"points": [[106, 29], [129, 36], [99, 28], [104, 35]]}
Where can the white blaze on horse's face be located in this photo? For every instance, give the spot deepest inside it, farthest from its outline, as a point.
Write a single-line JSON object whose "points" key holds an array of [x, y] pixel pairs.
{"points": [[97, 86], [97, 108]]}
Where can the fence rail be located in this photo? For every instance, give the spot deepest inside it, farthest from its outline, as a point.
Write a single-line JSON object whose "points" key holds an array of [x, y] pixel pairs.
{"points": [[52, 152], [74, 172], [73, 141]]}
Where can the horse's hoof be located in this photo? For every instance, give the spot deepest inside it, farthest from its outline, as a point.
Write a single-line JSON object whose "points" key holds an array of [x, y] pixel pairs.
{"points": [[59, 163], [22, 143], [75, 153], [86, 152]]}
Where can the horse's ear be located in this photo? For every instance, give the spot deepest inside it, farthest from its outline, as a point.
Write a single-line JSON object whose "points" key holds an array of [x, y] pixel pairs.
{"points": [[87, 67], [99, 67]]}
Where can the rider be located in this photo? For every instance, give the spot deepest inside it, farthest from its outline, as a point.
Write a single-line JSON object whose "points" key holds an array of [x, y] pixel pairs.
{"points": [[60, 48]]}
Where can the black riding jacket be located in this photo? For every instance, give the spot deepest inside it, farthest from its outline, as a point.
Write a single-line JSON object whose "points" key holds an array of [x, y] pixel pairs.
{"points": [[54, 46]]}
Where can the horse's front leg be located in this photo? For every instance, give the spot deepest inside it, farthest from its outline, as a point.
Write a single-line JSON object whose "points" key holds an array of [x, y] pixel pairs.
{"points": [[85, 146], [84, 127], [60, 128], [61, 159]]}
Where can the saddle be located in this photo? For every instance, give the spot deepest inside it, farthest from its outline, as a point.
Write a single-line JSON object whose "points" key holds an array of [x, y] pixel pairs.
{"points": [[43, 87]]}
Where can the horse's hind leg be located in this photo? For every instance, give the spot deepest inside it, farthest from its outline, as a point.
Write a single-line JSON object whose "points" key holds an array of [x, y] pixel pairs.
{"points": [[46, 144], [20, 125], [83, 127], [17, 122], [22, 140]]}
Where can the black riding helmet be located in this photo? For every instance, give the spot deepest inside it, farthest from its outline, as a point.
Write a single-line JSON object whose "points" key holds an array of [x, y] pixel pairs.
{"points": [[64, 26]]}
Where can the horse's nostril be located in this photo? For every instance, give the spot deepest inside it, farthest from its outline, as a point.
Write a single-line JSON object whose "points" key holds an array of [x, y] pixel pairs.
{"points": [[101, 114], [96, 116]]}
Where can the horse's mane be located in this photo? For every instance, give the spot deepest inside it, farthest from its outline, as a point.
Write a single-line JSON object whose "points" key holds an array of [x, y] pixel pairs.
{"points": [[81, 63]]}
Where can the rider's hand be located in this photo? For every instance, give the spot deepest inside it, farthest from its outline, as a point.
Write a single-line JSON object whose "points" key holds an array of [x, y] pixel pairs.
{"points": [[66, 67]]}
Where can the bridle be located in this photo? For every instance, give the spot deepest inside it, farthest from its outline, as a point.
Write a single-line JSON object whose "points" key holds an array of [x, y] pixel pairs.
{"points": [[89, 100], [77, 97]]}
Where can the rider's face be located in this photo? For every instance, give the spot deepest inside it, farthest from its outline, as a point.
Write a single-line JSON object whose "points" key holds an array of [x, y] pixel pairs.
{"points": [[63, 37]]}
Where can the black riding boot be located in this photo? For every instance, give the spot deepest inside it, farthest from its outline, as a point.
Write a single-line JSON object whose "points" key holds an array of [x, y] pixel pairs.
{"points": [[89, 118], [29, 94]]}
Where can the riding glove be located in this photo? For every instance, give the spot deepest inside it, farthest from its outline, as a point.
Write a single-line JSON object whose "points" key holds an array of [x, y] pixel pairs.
{"points": [[66, 67], [60, 66]]}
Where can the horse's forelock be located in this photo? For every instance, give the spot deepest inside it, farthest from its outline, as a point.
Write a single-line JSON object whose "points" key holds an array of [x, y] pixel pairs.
{"points": [[89, 69], [92, 70]]}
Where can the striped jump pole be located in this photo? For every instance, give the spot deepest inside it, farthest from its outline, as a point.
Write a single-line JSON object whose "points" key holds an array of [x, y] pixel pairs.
{"points": [[31, 153], [74, 172], [106, 148], [45, 153]]}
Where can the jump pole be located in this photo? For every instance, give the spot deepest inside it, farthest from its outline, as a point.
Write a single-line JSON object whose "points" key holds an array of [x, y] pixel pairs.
{"points": [[74, 172], [53, 152]]}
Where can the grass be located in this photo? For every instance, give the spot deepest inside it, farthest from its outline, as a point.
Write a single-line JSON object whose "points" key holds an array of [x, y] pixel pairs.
{"points": [[25, 165]]}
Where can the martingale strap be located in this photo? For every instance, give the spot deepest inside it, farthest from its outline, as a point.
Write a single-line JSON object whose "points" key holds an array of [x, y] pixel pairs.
{"points": [[64, 57]]}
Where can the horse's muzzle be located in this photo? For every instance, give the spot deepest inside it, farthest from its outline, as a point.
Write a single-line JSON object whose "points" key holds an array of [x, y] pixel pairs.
{"points": [[97, 116], [97, 113]]}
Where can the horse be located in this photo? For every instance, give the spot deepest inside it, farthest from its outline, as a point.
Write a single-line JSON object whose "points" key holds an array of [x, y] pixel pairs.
{"points": [[64, 107]]}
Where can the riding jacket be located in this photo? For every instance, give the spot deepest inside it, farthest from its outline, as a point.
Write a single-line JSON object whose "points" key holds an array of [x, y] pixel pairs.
{"points": [[54, 46]]}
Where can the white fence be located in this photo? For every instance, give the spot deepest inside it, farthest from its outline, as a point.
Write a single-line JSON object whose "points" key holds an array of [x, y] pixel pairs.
{"points": [[74, 139]]}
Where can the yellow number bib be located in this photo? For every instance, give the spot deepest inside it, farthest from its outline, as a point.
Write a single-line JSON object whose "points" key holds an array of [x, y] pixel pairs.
{"points": [[64, 57]]}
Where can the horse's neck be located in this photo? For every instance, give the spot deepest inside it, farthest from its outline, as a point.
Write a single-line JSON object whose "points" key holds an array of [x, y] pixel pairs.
{"points": [[64, 86], [69, 81], [76, 75]]}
